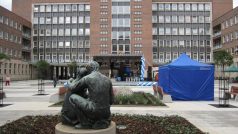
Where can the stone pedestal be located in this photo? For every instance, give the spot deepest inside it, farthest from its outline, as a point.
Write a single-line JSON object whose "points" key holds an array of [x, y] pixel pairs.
{"points": [[64, 129]]}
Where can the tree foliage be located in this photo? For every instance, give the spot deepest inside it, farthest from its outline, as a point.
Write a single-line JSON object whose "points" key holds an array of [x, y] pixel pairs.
{"points": [[4, 56], [42, 68], [72, 67], [223, 58]]}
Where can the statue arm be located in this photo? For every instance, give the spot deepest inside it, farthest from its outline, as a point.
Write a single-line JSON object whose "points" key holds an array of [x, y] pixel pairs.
{"points": [[79, 85]]}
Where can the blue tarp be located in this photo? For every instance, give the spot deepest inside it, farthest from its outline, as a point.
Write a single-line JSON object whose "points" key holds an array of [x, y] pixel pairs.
{"points": [[186, 79]]}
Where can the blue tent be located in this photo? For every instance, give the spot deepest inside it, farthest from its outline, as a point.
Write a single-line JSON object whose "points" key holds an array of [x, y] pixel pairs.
{"points": [[186, 79]]}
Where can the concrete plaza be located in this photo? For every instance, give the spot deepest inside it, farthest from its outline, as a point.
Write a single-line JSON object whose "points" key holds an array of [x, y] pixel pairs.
{"points": [[21, 94]]}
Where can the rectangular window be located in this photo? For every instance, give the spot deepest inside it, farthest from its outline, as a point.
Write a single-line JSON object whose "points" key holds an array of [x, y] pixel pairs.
{"points": [[161, 31], [154, 7], [67, 32], [187, 7], [81, 19], [187, 19], [161, 19], [174, 7], [194, 7], [181, 7], [181, 19], [200, 7], [167, 19], [67, 20], [188, 31], [48, 8], [161, 7], [55, 8], [61, 20], [174, 31], [61, 8], [55, 20]]}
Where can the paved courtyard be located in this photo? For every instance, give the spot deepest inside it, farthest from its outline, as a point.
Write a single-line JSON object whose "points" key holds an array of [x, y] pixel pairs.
{"points": [[21, 94]]}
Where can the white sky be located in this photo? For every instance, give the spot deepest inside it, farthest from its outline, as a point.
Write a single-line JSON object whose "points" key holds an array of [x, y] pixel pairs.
{"points": [[8, 3]]}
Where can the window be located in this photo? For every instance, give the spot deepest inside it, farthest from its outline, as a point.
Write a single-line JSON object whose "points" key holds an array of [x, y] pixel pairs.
{"points": [[67, 8], [207, 7], [42, 8], [181, 19], [161, 7], [87, 7], [48, 32], [194, 7], [48, 20], [81, 19], [154, 31], [61, 20], [74, 32], [161, 31], [154, 7], [181, 7], [81, 31], [1, 34], [174, 7], [181, 31], [161, 19], [61, 32], [55, 20], [36, 9], [61, 8], [187, 7], [67, 32], [194, 19], [74, 19], [207, 19], [201, 19], [67, 44], [201, 31], [174, 31], [74, 7], [87, 19], [1, 19], [187, 19], [87, 31], [167, 7], [48, 8], [35, 20], [200, 7], [154, 19], [54, 32], [188, 31], [167, 31], [55, 8], [67, 20], [167, 19], [174, 19], [194, 31]]}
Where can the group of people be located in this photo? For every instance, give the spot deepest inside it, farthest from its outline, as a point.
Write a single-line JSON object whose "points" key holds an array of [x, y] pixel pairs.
{"points": [[88, 99]]}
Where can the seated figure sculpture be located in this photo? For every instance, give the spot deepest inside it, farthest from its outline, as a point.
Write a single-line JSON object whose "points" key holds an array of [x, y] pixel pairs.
{"points": [[94, 111], [68, 114]]}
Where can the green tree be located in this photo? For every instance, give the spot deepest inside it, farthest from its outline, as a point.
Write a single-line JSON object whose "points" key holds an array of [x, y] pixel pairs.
{"points": [[4, 56], [42, 68], [72, 68], [223, 58]]}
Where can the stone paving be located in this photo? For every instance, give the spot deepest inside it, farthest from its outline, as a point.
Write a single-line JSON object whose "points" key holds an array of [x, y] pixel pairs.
{"points": [[21, 94]]}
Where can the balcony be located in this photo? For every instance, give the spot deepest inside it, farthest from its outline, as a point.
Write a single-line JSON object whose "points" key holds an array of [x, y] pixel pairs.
{"points": [[217, 34], [26, 48], [217, 46], [26, 35]]}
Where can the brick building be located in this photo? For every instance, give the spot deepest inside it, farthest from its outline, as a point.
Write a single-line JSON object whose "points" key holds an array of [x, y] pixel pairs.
{"points": [[15, 41], [225, 33], [116, 33]]}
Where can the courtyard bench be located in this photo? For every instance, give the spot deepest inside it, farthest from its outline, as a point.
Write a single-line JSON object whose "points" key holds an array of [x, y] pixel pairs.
{"points": [[234, 91]]}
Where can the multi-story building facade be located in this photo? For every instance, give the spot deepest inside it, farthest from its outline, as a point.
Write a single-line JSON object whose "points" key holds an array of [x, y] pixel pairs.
{"points": [[225, 34], [116, 33], [15, 41]]}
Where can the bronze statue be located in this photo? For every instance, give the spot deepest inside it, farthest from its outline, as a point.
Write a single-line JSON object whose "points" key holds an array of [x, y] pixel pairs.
{"points": [[92, 111]]}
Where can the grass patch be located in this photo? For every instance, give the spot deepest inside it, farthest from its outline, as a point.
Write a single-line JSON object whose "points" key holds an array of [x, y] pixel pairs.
{"points": [[135, 124]]}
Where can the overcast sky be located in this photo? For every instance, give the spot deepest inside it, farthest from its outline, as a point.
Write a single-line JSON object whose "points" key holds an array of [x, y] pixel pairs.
{"points": [[7, 3]]}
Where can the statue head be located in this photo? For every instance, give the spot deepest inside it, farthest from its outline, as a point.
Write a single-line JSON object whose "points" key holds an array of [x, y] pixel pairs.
{"points": [[92, 66]]}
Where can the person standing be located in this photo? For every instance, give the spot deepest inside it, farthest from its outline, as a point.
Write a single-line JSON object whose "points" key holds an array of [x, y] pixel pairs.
{"points": [[7, 80], [55, 81]]}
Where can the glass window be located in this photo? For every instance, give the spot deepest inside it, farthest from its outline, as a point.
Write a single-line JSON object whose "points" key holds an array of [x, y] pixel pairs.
{"points": [[207, 7], [48, 8], [61, 20], [181, 31], [161, 7], [174, 31], [48, 32], [87, 19], [81, 7], [161, 31], [42, 8], [174, 7], [187, 19], [87, 7], [74, 32], [201, 19], [127, 23], [42, 20], [68, 8], [120, 22], [48, 20], [55, 8], [1, 19], [67, 20], [167, 19], [187, 7], [154, 19], [74, 7], [207, 19], [81, 31], [61, 8], [174, 19], [161, 19], [114, 9], [188, 31], [54, 32], [194, 31], [114, 22], [154, 31], [67, 32], [201, 31], [154, 7], [200, 7], [1, 34], [81, 19], [55, 20], [167, 31], [126, 9], [35, 20], [194, 7], [61, 32], [74, 19], [87, 31], [181, 19], [181, 7], [114, 35], [195, 19], [167, 7]]}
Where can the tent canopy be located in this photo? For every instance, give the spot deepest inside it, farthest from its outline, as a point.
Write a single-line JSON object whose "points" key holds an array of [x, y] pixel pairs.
{"points": [[186, 79]]}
